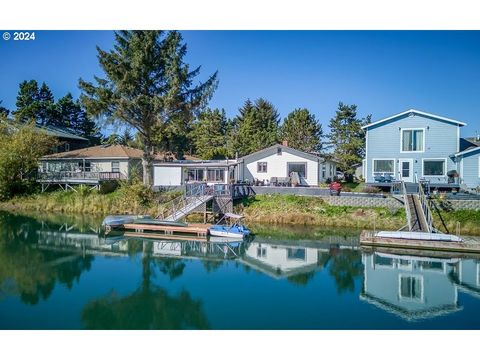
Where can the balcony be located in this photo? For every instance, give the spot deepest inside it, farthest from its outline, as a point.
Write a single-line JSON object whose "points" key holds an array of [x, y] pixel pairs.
{"points": [[78, 177]]}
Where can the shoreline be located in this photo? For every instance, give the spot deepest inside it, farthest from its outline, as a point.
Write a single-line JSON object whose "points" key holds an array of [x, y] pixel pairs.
{"points": [[261, 209]]}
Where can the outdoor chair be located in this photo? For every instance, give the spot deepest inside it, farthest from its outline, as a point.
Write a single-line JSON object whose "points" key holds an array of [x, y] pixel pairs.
{"points": [[379, 178]]}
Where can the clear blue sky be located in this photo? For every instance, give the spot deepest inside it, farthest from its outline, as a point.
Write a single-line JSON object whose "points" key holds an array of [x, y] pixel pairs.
{"points": [[382, 72]]}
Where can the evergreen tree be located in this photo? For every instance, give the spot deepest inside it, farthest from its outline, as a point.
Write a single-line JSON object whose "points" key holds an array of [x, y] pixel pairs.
{"points": [[46, 111], [27, 101], [256, 127], [210, 134], [149, 87], [347, 137], [4, 111], [73, 118], [302, 131]]}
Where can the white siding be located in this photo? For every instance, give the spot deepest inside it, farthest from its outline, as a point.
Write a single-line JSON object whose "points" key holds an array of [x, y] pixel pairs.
{"points": [[277, 167], [167, 176]]}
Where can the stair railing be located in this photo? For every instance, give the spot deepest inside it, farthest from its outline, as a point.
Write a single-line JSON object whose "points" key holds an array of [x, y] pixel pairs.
{"points": [[425, 204]]}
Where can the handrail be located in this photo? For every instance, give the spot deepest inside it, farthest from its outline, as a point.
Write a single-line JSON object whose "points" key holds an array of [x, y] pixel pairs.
{"points": [[79, 175], [425, 204], [406, 204]]}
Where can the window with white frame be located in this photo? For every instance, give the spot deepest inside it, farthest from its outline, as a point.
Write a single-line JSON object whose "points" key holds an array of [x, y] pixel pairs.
{"points": [[115, 166], [195, 175], [216, 175], [411, 288], [261, 167], [324, 171], [261, 252], [434, 167], [383, 167], [296, 254], [412, 140]]}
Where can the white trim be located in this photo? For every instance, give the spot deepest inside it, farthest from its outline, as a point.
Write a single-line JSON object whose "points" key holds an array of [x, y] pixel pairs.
{"points": [[478, 166], [416, 112], [365, 171], [401, 140], [458, 139], [394, 165], [444, 167], [461, 170], [466, 151], [410, 161]]}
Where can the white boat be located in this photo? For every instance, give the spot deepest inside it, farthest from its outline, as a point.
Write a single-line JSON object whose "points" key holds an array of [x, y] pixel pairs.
{"points": [[116, 220], [414, 235], [236, 230]]}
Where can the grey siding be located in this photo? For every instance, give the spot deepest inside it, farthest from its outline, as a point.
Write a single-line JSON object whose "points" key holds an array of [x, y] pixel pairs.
{"points": [[469, 169], [383, 142]]}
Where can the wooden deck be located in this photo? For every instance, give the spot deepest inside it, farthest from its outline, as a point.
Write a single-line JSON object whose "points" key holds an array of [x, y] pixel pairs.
{"points": [[199, 230], [467, 246]]}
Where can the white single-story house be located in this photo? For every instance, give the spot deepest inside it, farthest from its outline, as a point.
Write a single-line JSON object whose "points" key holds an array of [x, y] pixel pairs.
{"points": [[275, 162]]}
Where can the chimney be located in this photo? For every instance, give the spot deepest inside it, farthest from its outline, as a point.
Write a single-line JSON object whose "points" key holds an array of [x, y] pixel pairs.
{"points": [[285, 143]]}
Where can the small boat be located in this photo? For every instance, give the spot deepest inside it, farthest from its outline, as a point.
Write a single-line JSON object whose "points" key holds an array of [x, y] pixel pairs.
{"points": [[117, 220], [236, 230], [414, 235]]}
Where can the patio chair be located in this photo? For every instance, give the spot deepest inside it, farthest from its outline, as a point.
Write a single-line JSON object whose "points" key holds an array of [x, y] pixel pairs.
{"points": [[379, 178]]}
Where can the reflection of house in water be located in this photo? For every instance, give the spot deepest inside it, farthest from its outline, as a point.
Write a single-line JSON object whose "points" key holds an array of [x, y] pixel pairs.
{"points": [[197, 249], [466, 275], [411, 287], [281, 261]]}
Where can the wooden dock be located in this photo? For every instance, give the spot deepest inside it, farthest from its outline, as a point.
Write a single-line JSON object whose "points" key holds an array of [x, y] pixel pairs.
{"points": [[199, 230], [467, 246]]}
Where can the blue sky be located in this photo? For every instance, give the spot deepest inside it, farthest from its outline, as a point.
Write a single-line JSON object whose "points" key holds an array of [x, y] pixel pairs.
{"points": [[383, 72]]}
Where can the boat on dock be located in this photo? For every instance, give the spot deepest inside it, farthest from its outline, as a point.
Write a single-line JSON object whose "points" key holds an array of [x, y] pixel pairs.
{"points": [[234, 230]]}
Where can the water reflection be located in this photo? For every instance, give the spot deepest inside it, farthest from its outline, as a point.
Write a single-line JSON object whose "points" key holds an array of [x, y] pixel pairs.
{"points": [[133, 282], [417, 287]]}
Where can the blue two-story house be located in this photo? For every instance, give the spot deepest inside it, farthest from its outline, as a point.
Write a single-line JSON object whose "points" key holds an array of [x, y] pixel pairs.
{"points": [[414, 145]]}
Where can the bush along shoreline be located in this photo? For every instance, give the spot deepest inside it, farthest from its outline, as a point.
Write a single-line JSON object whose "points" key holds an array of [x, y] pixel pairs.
{"points": [[134, 198]]}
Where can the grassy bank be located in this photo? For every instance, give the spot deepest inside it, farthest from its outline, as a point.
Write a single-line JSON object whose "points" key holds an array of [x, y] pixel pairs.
{"points": [[262, 209], [291, 209], [128, 199]]}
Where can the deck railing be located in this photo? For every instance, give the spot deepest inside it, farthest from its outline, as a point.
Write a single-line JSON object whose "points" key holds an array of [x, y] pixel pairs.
{"points": [[79, 175], [425, 203]]}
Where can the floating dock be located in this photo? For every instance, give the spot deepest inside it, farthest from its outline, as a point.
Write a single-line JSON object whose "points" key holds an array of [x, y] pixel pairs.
{"points": [[466, 246], [198, 230]]}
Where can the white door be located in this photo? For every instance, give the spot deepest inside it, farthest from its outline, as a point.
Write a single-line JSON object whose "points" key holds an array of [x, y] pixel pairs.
{"points": [[406, 170]]}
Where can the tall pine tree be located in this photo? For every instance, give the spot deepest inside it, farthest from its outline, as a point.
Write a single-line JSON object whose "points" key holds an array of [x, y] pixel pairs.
{"points": [[210, 135], [347, 137], [27, 101], [302, 131], [47, 112], [256, 127], [149, 87]]}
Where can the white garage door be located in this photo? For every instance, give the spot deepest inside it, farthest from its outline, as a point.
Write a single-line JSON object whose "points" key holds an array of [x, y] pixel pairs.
{"points": [[167, 176]]}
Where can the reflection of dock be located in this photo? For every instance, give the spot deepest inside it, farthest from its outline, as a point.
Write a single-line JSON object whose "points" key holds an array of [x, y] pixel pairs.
{"points": [[467, 245]]}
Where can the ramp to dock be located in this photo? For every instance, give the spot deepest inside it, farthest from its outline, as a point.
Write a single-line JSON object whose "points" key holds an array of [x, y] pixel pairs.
{"points": [[187, 206], [417, 208]]}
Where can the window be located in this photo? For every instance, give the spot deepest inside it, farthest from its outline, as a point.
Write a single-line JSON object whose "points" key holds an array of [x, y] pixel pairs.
{"points": [[216, 175], [296, 254], [412, 140], [115, 166], [382, 261], [411, 288], [324, 171], [383, 167], [434, 167], [261, 167], [67, 147], [195, 175], [279, 151], [261, 252], [87, 166]]}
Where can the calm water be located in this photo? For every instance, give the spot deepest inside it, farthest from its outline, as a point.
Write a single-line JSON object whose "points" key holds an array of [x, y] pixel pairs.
{"points": [[57, 273]]}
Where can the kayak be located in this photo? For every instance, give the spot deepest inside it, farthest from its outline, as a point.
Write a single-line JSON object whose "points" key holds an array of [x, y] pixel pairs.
{"points": [[117, 220]]}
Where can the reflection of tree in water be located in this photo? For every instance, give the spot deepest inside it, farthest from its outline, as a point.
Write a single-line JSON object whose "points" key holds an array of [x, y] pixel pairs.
{"points": [[29, 272], [345, 266], [150, 306], [212, 265], [301, 279]]}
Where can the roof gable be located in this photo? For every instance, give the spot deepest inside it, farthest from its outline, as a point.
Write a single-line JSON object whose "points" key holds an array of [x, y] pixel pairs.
{"points": [[272, 149], [417, 112]]}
